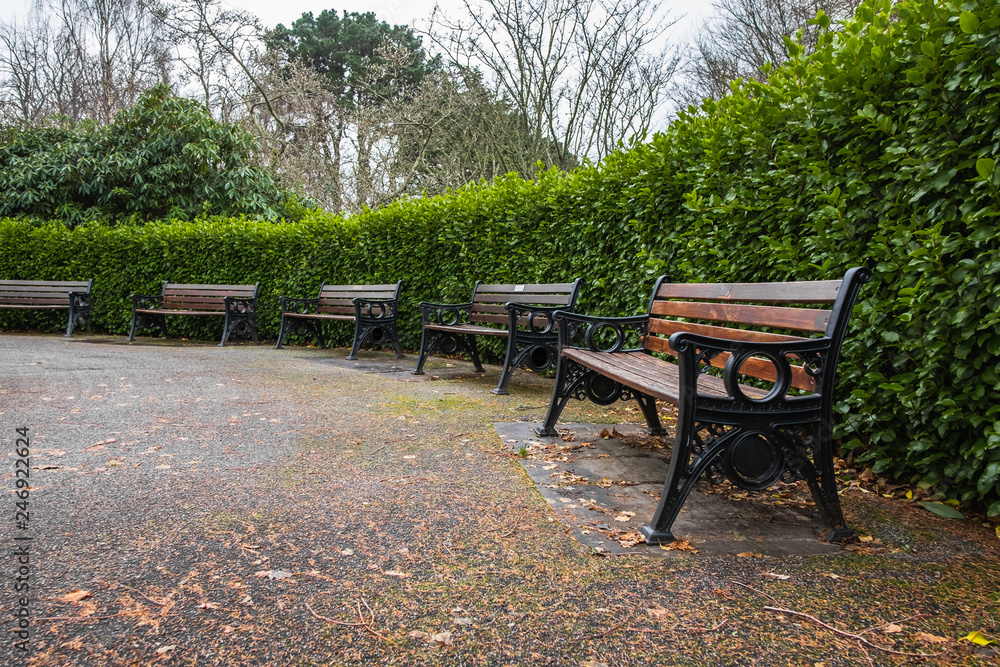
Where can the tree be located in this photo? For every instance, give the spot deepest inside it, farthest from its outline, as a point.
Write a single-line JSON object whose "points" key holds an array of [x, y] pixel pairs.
{"points": [[582, 76], [80, 59], [164, 157], [744, 37]]}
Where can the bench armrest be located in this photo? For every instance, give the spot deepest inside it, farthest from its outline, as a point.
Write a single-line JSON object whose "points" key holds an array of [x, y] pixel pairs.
{"points": [[538, 320], [378, 309], [299, 306], [695, 353], [80, 300], [587, 332], [445, 313], [240, 306], [146, 301]]}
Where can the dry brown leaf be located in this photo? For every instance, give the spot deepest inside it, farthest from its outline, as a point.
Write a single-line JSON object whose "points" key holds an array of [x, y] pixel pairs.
{"points": [[417, 634], [164, 649], [931, 639], [749, 554], [75, 595], [891, 628], [442, 639], [679, 545]]}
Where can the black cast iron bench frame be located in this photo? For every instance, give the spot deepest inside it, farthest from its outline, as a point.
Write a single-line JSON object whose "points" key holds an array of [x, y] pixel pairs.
{"points": [[237, 304], [720, 335], [521, 313], [374, 309], [74, 295]]}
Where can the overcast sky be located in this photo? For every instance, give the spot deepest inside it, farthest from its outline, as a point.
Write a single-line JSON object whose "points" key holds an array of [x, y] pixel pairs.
{"points": [[412, 12]]}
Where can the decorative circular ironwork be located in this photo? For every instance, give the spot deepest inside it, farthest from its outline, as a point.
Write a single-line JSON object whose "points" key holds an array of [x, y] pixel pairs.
{"points": [[754, 461], [540, 357], [448, 345], [447, 316], [782, 373], [377, 335], [546, 317], [602, 390], [594, 330]]}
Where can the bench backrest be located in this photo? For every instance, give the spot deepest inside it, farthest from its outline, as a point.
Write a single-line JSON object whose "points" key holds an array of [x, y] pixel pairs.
{"points": [[41, 293], [181, 296], [339, 299], [752, 312], [489, 301]]}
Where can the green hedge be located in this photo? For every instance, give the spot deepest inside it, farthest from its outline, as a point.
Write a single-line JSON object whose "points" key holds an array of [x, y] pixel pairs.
{"points": [[879, 149]]}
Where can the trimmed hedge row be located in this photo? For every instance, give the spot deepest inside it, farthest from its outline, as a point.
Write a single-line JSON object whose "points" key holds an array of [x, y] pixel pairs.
{"points": [[878, 149]]}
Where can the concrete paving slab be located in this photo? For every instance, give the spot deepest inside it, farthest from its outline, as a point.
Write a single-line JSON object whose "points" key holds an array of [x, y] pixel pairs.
{"points": [[602, 489]]}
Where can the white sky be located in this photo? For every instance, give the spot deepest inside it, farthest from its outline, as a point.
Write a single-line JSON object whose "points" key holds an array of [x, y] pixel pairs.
{"points": [[412, 12]]}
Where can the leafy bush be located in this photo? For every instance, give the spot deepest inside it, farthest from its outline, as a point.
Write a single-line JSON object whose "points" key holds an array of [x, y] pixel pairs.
{"points": [[164, 157], [878, 149]]}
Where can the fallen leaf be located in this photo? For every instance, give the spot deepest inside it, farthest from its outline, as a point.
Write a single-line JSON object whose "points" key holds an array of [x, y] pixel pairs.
{"points": [[933, 639], [442, 639], [347, 552], [629, 540], [946, 511], [164, 649], [679, 545], [657, 613], [208, 605], [75, 595], [396, 573], [892, 628], [977, 637], [228, 629], [774, 575], [749, 554], [462, 621], [417, 634]]}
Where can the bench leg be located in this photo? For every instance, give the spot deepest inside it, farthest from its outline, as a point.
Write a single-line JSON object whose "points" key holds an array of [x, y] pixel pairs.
{"points": [[422, 357], [474, 353], [681, 479], [569, 377], [821, 478], [72, 321], [358, 335], [281, 332], [510, 364], [146, 321], [648, 406]]}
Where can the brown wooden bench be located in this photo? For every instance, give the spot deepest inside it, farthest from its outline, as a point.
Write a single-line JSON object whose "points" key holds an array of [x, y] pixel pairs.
{"points": [[76, 296], [520, 313], [374, 309], [237, 304], [751, 371]]}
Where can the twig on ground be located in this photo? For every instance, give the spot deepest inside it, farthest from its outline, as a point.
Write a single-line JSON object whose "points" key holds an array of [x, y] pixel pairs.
{"points": [[851, 635], [882, 625], [377, 450], [756, 591], [364, 624], [162, 604], [600, 634], [512, 530]]}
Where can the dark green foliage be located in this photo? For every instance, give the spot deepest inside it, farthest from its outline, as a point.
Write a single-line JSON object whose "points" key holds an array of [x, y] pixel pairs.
{"points": [[342, 48], [164, 157], [879, 149]]}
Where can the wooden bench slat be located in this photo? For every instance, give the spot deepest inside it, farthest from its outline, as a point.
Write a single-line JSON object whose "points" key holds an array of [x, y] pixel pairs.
{"points": [[814, 291], [536, 288], [533, 299], [190, 286], [42, 288], [468, 329], [388, 289], [758, 368], [348, 296], [323, 316], [32, 306], [799, 319], [668, 327]]}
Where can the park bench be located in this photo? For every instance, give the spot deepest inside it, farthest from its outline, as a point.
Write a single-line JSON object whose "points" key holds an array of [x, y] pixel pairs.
{"points": [[76, 296], [520, 313], [374, 309], [754, 401], [237, 304]]}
